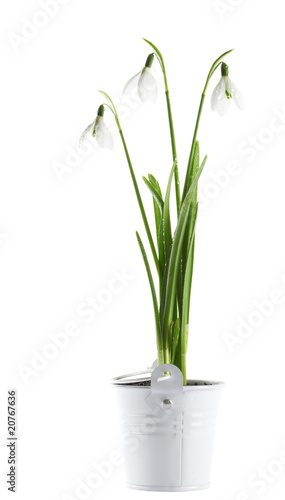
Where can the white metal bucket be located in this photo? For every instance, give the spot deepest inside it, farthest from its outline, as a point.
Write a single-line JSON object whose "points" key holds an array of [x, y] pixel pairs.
{"points": [[168, 430]]}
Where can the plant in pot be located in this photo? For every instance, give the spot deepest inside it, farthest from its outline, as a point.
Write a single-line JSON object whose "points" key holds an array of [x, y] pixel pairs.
{"points": [[168, 420]]}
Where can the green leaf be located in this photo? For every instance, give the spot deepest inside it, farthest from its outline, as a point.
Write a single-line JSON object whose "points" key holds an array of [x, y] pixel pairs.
{"points": [[153, 293], [158, 217], [158, 205], [166, 223], [187, 289], [155, 183], [175, 331], [158, 225], [175, 257], [194, 167], [193, 208], [164, 283], [186, 300], [154, 193], [195, 163]]}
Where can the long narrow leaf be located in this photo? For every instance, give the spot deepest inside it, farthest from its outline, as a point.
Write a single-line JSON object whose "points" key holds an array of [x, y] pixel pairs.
{"points": [[193, 171], [153, 293], [158, 204], [160, 247], [185, 247], [186, 301], [164, 283], [196, 162], [157, 217], [165, 238], [154, 192], [193, 207], [186, 287], [155, 183], [141, 205], [175, 256], [188, 248], [166, 213], [175, 337]]}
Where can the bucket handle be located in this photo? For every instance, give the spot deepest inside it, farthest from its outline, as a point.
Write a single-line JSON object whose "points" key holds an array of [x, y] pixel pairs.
{"points": [[166, 393], [131, 377], [134, 376]]}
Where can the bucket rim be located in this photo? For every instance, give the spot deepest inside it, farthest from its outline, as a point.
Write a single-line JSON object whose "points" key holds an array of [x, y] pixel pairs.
{"points": [[129, 380]]}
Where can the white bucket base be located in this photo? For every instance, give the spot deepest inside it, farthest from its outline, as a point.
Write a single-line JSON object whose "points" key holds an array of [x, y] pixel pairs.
{"points": [[168, 488], [168, 430]]}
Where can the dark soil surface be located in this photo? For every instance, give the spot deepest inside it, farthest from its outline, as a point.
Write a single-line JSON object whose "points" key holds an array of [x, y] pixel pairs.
{"points": [[146, 383]]}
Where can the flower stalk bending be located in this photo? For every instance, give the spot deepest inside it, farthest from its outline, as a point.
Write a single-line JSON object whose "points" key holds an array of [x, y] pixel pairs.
{"points": [[171, 126]]}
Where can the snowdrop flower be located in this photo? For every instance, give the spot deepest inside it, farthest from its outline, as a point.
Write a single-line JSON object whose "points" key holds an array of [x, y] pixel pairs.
{"points": [[224, 92], [144, 82], [98, 130]]}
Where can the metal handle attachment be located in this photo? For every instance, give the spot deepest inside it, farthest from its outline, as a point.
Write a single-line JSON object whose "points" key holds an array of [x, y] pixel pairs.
{"points": [[166, 390]]}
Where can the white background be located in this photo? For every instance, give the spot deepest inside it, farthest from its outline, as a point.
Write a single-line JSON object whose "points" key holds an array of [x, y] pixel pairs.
{"points": [[61, 239]]}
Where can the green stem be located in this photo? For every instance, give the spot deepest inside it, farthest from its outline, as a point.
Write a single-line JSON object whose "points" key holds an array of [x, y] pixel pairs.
{"points": [[160, 357], [184, 368], [159, 339], [187, 178], [174, 152], [178, 355], [214, 66], [167, 358], [148, 232], [186, 305], [112, 107], [171, 127], [188, 253]]}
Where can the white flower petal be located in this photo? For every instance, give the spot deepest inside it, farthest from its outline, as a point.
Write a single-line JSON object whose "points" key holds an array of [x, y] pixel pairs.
{"points": [[223, 106], [86, 132], [131, 84], [219, 94], [147, 87], [103, 135], [236, 94]]}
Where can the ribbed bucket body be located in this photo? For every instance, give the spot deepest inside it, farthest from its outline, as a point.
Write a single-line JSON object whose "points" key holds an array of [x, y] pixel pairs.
{"points": [[168, 431]]}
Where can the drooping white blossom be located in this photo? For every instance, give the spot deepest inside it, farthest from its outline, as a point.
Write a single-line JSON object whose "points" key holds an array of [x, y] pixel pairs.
{"points": [[144, 83], [99, 130], [224, 92]]}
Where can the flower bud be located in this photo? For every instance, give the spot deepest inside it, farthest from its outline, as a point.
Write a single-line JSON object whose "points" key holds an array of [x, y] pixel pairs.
{"points": [[101, 110], [149, 61], [225, 69]]}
